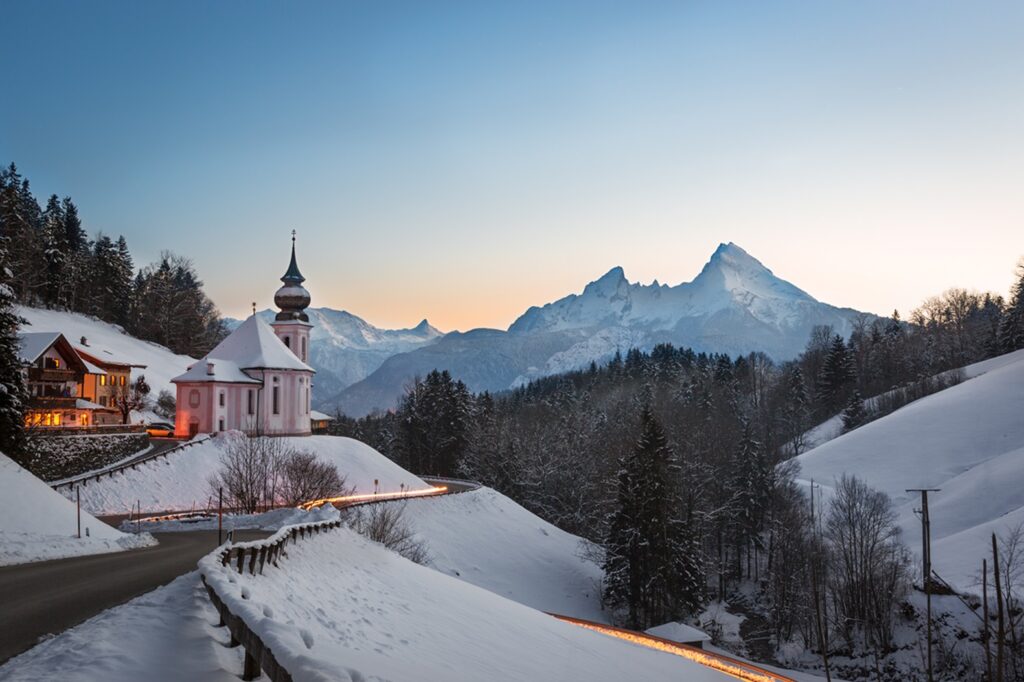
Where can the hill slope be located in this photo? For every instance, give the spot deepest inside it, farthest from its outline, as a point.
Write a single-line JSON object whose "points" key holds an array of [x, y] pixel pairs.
{"points": [[182, 479], [484, 538], [104, 338], [36, 523], [347, 609], [735, 305], [967, 440]]}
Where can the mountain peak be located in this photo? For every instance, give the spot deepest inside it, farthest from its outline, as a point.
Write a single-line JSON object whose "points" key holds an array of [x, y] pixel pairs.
{"points": [[608, 283]]}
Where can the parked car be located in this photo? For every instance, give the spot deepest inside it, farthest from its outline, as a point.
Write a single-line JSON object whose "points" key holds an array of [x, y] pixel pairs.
{"points": [[160, 430]]}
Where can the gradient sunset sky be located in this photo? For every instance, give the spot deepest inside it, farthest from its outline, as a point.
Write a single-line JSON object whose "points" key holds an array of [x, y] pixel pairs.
{"points": [[463, 161]]}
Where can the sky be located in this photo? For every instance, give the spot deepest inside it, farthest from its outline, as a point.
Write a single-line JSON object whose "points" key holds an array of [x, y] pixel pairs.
{"points": [[461, 161]]}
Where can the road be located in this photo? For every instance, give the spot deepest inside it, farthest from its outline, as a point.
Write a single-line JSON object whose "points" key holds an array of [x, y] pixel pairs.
{"points": [[52, 596]]}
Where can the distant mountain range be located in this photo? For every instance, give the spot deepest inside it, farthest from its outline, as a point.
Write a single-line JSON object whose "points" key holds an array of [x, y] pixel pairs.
{"points": [[345, 349], [735, 306]]}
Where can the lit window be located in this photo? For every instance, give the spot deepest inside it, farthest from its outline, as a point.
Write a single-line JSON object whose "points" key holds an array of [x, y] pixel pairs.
{"points": [[123, 377], [103, 380]]}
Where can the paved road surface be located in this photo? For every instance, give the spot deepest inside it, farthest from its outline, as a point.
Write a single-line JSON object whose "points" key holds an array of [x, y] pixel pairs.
{"points": [[51, 596]]}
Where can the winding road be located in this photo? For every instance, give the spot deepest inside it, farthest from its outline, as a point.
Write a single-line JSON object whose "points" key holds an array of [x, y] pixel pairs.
{"points": [[51, 596]]}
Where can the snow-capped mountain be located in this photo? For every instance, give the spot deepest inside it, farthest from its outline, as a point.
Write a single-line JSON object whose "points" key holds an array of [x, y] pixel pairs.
{"points": [[345, 348], [735, 306]]}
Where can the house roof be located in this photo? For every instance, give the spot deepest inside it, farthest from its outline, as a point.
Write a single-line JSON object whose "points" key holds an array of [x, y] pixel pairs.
{"points": [[253, 345], [679, 632], [320, 416], [83, 404], [214, 370], [99, 356], [32, 345]]}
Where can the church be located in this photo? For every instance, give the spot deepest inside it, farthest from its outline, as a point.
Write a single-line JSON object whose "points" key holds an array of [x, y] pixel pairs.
{"points": [[256, 380]]}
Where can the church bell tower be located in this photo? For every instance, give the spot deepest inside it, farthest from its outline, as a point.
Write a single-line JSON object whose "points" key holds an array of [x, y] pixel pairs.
{"points": [[292, 324]]}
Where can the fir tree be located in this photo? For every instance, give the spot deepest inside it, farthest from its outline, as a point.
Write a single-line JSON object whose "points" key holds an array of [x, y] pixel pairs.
{"points": [[836, 376], [1011, 329], [13, 395], [652, 565], [855, 413]]}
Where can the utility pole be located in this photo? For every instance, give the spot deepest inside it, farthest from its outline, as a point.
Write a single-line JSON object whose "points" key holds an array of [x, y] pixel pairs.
{"points": [[926, 564], [220, 514], [78, 509]]}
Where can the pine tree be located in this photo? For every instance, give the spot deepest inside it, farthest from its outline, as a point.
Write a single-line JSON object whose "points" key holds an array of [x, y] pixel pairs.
{"points": [[835, 377], [855, 413], [1011, 329], [13, 395], [652, 564], [55, 250]]}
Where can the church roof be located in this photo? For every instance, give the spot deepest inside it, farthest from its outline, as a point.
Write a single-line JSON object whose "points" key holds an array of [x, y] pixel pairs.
{"points": [[214, 370], [253, 345], [293, 276]]}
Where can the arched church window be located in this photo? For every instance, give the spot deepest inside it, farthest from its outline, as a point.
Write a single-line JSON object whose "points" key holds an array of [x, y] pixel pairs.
{"points": [[288, 341], [193, 398], [303, 349]]}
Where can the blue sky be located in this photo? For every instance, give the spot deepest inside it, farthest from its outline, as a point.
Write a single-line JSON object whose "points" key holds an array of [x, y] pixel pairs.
{"points": [[462, 161]]}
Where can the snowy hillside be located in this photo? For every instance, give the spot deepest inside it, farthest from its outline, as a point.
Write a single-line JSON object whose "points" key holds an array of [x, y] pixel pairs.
{"points": [[37, 523], [345, 348], [488, 540], [181, 480], [342, 608], [735, 306], [967, 440], [106, 339]]}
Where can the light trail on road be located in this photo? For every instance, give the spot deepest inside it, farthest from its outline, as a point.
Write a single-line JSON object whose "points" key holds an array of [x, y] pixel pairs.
{"points": [[723, 664], [374, 497]]}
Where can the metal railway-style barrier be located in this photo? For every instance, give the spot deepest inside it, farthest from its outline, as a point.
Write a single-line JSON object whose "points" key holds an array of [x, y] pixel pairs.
{"points": [[83, 479]]}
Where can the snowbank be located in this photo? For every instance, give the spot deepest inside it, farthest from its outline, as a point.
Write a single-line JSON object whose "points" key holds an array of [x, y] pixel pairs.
{"points": [[36, 523], [181, 480], [161, 364], [967, 440], [484, 538], [342, 608], [166, 635]]}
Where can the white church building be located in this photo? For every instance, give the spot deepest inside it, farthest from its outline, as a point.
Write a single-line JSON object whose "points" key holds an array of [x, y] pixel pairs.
{"points": [[256, 380]]}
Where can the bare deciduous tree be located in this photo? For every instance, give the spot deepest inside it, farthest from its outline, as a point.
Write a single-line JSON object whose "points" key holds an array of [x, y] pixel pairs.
{"points": [[385, 523], [868, 564], [301, 477], [249, 470]]}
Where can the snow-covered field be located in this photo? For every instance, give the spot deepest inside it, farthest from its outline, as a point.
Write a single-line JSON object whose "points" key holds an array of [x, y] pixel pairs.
{"points": [[36, 523], [484, 538], [181, 479], [108, 340], [967, 440], [342, 608]]}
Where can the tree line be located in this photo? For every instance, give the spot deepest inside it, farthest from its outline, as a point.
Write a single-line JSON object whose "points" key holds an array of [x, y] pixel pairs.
{"points": [[51, 262]]}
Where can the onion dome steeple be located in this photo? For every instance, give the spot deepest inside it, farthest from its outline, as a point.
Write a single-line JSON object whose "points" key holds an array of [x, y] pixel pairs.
{"points": [[292, 298]]}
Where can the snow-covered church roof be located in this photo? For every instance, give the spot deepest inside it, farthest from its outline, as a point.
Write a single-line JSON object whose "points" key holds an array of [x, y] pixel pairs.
{"points": [[252, 345]]}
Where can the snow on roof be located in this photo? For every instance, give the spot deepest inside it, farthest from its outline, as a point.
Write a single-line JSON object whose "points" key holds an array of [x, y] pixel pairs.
{"points": [[320, 416], [253, 345], [96, 355], [679, 632], [83, 404], [33, 344], [223, 371]]}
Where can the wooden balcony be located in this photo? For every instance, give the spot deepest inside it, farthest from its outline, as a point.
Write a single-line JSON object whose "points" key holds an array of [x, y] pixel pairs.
{"points": [[47, 402], [55, 375]]}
